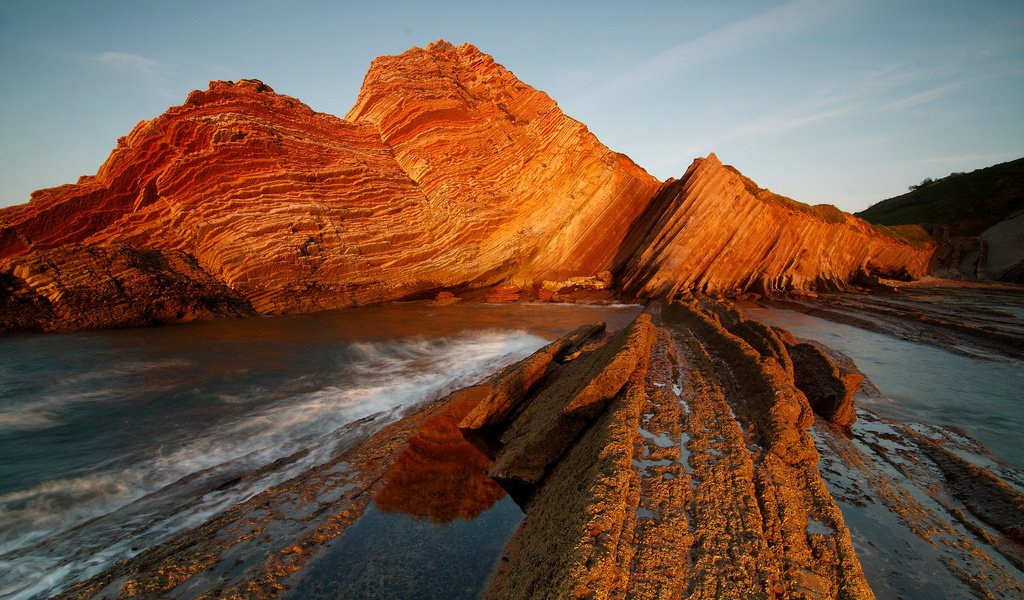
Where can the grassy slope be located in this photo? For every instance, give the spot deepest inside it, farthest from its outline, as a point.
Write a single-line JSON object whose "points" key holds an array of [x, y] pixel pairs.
{"points": [[969, 203], [825, 212]]}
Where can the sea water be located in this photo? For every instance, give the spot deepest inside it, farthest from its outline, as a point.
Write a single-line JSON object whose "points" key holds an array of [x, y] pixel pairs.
{"points": [[926, 384], [105, 436]]}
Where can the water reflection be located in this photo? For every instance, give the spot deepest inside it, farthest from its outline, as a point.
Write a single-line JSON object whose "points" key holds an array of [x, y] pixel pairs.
{"points": [[440, 477]]}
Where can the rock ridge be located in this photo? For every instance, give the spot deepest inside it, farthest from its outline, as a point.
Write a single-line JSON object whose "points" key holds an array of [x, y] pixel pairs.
{"points": [[690, 474], [449, 174], [714, 231]]}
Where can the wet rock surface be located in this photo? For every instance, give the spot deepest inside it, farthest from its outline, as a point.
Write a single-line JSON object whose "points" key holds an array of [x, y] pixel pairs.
{"points": [[678, 457], [829, 391], [974, 319], [256, 548], [913, 525], [697, 479]]}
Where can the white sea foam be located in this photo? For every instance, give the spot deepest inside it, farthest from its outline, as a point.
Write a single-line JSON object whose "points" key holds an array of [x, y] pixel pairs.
{"points": [[43, 411], [66, 530]]}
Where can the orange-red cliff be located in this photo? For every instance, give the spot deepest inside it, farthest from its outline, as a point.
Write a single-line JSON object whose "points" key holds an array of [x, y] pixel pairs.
{"points": [[714, 230], [448, 173], [505, 169]]}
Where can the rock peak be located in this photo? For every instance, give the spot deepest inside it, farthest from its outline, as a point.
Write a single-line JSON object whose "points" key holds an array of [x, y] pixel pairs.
{"points": [[440, 45], [248, 85]]}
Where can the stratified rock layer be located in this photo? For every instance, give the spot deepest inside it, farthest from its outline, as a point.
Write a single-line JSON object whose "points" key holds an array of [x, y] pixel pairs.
{"points": [[502, 165], [689, 474], [293, 209], [829, 392], [62, 288], [715, 231], [449, 174]]}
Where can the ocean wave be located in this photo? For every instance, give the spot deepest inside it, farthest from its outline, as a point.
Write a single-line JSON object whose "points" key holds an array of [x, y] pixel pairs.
{"points": [[43, 410], [55, 527]]}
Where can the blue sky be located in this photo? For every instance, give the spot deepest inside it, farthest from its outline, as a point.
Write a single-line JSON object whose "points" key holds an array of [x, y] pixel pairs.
{"points": [[846, 102]]}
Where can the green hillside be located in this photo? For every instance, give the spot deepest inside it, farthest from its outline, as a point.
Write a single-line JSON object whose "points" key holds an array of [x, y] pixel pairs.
{"points": [[968, 202]]}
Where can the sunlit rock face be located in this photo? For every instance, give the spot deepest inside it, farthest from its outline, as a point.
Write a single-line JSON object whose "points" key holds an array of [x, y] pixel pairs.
{"points": [[293, 209], [448, 174], [479, 178], [506, 171], [714, 230]]}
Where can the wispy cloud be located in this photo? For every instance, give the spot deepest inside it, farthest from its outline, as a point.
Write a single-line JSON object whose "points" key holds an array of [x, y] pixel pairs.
{"points": [[770, 125], [147, 71], [776, 23], [849, 96], [925, 96]]}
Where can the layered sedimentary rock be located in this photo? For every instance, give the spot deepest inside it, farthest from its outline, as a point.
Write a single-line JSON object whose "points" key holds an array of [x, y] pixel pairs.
{"points": [[951, 316], [690, 473], [63, 288], [293, 209], [675, 459], [478, 178], [502, 164], [714, 230], [448, 174]]}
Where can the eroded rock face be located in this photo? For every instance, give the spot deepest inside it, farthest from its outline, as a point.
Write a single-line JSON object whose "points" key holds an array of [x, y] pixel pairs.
{"points": [[829, 392], [984, 493], [713, 230], [448, 174], [690, 473], [534, 434], [501, 164], [62, 288], [294, 210], [1004, 249]]}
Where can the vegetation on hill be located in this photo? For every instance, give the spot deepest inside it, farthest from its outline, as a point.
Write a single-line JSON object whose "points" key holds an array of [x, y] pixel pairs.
{"points": [[967, 202], [825, 212]]}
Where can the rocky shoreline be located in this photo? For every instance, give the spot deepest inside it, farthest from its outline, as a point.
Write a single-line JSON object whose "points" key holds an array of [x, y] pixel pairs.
{"points": [[679, 457]]}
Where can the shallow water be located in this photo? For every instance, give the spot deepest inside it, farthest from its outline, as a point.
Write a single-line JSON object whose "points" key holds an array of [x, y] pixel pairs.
{"points": [[398, 556], [926, 384], [106, 435], [909, 545]]}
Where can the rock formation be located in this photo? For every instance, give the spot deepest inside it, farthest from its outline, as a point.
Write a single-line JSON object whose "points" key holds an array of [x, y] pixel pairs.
{"points": [[714, 230], [536, 194], [675, 458], [448, 174], [829, 392], [80, 286], [292, 209], [668, 460], [1003, 247]]}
